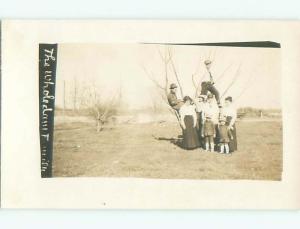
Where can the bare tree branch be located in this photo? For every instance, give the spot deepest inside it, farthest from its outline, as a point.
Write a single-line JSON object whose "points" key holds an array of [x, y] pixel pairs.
{"points": [[197, 67], [247, 86], [152, 78], [166, 71], [194, 82], [175, 73], [213, 58], [223, 73], [160, 54], [233, 81], [99, 107]]}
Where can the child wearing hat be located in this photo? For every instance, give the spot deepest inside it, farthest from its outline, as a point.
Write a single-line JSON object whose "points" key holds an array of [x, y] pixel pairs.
{"points": [[224, 136], [209, 133]]}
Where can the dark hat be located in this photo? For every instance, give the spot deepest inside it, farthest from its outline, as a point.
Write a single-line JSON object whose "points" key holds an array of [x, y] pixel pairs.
{"points": [[228, 98], [207, 62], [173, 85], [186, 98]]}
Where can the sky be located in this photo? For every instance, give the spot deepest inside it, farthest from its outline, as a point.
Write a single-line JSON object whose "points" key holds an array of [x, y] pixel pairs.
{"points": [[110, 67]]}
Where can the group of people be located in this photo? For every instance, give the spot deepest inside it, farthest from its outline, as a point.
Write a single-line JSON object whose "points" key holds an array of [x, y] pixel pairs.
{"points": [[204, 121]]}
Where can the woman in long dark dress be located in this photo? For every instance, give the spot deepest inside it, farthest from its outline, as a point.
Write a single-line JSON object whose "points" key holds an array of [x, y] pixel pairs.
{"points": [[230, 113], [188, 120], [200, 106]]}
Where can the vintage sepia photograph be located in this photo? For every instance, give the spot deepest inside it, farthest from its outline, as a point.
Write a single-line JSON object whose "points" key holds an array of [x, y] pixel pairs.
{"points": [[168, 111]]}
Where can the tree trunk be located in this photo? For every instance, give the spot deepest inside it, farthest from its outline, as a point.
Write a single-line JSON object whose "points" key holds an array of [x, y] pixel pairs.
{"points": [[99, 122], [99, 125]]}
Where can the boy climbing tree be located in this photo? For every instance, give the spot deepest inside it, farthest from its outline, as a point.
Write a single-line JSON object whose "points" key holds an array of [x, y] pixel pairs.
{"points": [[172, 98], [208, 86]]}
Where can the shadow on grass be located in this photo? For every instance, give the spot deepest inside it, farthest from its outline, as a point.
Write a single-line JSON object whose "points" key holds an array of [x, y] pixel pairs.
{"points": [[179, 142], [176, 141]]}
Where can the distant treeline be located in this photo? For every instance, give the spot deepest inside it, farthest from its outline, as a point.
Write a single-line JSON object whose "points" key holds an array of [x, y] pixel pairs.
{"points": [[242, 112], [258, 112]]}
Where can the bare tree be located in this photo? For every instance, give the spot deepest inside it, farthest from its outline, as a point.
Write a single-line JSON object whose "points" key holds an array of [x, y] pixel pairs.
{"points": [[101, 107], [168, 62], [170, 67]]}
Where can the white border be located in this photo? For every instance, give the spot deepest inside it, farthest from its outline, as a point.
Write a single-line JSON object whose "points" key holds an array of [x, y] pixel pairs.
{"points": [[22, 186]]}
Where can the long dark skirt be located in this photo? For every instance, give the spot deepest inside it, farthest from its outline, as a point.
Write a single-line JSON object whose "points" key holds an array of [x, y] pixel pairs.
{"points": [[200, 126], [217, 138], [190, 135], [233, 142]]}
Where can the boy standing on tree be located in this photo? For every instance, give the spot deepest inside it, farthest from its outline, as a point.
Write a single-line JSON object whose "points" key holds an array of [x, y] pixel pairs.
{"points": [[208, 86]]}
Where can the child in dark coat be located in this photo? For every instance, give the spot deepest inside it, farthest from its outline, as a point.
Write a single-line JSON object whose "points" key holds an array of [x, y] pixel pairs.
{"points": [[225, 136], [209, 133]]}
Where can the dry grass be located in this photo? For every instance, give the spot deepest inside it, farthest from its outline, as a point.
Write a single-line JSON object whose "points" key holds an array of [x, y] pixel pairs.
{"points": [[132, 151]]}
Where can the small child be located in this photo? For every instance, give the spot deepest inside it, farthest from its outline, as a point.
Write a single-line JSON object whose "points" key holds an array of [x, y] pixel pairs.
{"points": [[225, 136], [209, 133]]}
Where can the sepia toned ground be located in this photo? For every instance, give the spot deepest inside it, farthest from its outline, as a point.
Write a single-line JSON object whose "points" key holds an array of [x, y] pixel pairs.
{"points": [[149, 151]]}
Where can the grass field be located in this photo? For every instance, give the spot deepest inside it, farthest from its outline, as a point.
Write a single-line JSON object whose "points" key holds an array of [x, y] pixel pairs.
{"points": [[148, 151]]}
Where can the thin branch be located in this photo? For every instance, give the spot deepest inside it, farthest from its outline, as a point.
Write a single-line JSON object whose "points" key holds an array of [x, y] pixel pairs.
{"points": [[247, 86], [152, 79], [194, 81], [160, 54], [108, 106], [166, 71], [165, 58], [223, 73], [210, 54], [213, 58], [198, 67], [233, 81], [195, 84], [175, 73]]}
